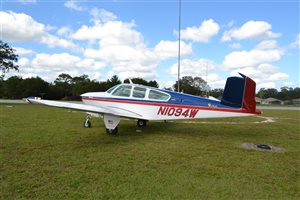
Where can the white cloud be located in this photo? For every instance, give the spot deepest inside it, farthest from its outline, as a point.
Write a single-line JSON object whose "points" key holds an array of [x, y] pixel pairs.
{"points": [[165, 83], [96, 76], [267, 44], [168, 49], [277, 77], [235, 46], [55, 61], [20, 27], [251, 58], [51, 65], [64, 31], [110, 33], [65, 61], [266, 68], [74, 5], [203, 33], [296, 43], [124, 49], [126, 60], [54, 41], [288, 84], [27, 1], [231, 23], [250, 30], [266, 85], [22, 51], [193, 67], [23, 62], [102, 16], [201, 68], [217, 84], [265, 75], [148, 75]]}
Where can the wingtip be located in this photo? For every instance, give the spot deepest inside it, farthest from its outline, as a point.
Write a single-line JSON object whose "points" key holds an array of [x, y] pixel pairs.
{"points": [[32, 99]]}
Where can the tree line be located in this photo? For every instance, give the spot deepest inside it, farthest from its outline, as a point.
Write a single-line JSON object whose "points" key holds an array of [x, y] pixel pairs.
{"points": [[63, 87], [284, 94], [70, 88]]}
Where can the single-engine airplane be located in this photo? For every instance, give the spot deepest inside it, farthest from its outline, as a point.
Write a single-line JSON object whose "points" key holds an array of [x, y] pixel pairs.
{"points": [[145, 103]]}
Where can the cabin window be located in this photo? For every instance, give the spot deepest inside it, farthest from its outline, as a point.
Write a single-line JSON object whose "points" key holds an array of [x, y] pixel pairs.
{"points": [[139, 92], [153, 94], [123, 91], [111, 89]]}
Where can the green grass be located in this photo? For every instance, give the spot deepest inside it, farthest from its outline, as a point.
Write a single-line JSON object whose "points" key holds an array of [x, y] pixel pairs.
{"points": [[47, 154]]}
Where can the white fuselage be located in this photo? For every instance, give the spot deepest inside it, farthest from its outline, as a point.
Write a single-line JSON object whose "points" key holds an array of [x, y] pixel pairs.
{"points": [[156, 110]]}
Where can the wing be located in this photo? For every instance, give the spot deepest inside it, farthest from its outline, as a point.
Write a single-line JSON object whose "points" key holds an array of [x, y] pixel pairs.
{"points": [[76, 106], [80, 106], [84, 107]]}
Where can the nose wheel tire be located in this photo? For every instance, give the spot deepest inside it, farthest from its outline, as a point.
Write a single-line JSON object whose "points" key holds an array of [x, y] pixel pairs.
{"points": [[141, 123], [87, 124], [112, 131]]}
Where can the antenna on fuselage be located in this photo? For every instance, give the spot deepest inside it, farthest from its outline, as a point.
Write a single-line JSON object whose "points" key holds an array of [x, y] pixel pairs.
{"points": [[179, 28]]}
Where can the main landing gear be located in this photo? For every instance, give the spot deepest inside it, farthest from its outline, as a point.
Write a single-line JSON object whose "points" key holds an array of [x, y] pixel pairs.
{"points": [[112, 131], [111, 123]]}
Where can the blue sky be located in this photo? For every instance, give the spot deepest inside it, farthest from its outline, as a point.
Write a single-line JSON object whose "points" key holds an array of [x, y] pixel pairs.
{"points": [[140, 39]]}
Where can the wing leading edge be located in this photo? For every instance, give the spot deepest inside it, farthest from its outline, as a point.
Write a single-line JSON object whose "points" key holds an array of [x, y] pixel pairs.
{"points": [[83, 107], [76, 106]]}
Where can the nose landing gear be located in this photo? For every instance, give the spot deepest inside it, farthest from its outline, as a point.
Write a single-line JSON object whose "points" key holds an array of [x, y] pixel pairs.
{"points": [[87, 123]]}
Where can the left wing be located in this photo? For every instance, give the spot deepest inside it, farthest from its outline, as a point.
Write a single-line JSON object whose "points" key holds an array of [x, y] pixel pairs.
{"points": [[79, 106]]}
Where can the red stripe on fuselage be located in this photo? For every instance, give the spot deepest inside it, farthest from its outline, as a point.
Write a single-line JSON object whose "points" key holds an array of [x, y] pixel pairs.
{"points": [[169, 105]]}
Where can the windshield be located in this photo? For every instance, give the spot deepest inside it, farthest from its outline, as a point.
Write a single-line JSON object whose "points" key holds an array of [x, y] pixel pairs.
{"points": [[123, 91], [111, 89]]}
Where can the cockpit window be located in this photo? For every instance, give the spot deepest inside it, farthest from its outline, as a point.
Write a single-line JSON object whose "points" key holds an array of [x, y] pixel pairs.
{"points": [[153, 94], [123, 91], [111, 89], [139, 92]]}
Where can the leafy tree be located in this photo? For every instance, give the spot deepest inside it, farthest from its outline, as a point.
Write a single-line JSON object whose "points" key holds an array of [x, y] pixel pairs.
{"points": [[267, 93], [114, 80], [13, 87], [216, 92], [168, 88], [63, 78], [35, 86], [153, 84], [284, 93], [295, 93], [80, 85], [63, 85], [1, 87], [8, 58], [103, 86], [190, 85], [261, 93]]}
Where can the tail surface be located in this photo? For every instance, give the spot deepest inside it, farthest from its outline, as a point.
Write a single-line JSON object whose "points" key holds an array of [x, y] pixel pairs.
{"points": [[239, 92]]}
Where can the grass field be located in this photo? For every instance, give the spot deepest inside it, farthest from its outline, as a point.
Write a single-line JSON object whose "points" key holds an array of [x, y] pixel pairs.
{"points": [[47, 154]]}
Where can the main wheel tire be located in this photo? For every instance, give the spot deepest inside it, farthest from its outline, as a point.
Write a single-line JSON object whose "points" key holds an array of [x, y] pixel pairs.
{"points": [[87, 124], [141, 123], [112, 131]]}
